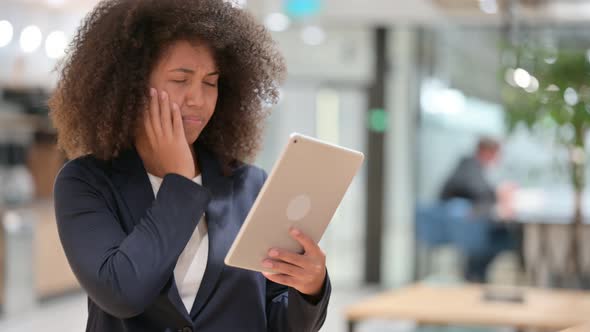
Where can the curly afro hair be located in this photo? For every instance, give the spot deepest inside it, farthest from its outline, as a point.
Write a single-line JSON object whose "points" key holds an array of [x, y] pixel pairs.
{"points": [[103, 83]]}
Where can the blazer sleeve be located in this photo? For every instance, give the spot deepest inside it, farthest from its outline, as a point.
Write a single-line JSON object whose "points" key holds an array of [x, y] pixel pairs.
{"points": [[124, 273], [289, 310]]}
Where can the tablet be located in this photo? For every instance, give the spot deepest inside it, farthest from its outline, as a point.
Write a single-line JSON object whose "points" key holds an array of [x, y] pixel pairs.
{"points": [[303, 190]]}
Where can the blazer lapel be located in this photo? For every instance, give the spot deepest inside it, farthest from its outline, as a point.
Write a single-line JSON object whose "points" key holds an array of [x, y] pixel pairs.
{"points": [[221, 231], [132, 181]]}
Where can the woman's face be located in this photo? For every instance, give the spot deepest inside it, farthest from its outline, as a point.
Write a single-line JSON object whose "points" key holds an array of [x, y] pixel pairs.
{"points": [[189, 74]]}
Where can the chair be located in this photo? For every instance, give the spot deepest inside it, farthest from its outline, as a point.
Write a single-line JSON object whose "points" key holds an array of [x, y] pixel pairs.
{"points": [[453, 223]]}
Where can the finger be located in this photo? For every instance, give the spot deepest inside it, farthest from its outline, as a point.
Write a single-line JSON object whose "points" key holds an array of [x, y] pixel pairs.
{"points": [[177, 126], [147, 125], [284, 268], [281, 279], [145, 133], [155, 115], [289, 257], [309, 246], [165, 115]]}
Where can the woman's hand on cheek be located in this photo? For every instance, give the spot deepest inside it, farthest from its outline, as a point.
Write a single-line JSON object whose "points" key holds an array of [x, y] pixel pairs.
{"points": [[161, 142]]}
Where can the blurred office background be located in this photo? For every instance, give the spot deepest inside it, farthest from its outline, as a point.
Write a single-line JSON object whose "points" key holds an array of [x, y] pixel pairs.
{"points": [[414, 85]]}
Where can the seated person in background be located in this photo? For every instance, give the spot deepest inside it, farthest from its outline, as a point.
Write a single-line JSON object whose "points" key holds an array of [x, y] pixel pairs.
{"points": [[468, 181]]}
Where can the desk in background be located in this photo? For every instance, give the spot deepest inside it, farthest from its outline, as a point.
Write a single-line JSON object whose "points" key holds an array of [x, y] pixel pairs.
{"points": [[543, 309]]}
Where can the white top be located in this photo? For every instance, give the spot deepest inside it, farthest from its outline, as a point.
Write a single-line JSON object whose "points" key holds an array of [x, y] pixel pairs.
{"points": [[190, 267]]}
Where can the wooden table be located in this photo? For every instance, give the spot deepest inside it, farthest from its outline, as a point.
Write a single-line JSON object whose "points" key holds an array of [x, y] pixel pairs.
{"points": [[464, 305]]}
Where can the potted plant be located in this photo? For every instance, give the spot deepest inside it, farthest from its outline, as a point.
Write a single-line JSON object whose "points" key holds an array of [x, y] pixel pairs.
{"points": [[551, 88]]}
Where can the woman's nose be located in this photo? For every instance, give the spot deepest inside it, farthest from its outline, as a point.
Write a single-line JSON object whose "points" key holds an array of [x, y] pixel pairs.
{"points": [[195, 97]]}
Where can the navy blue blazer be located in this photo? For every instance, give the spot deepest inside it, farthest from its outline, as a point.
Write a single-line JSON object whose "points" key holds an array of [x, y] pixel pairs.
{"points": [[122, 244]]}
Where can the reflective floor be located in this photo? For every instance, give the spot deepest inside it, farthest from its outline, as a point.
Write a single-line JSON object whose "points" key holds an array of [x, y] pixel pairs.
{"points": [[68, 314]]}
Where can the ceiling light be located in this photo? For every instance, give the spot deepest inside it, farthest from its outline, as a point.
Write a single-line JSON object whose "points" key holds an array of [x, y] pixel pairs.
{"points": [[30, 39], [55, 44], [6, 32], [277, 22], [56, 3]]}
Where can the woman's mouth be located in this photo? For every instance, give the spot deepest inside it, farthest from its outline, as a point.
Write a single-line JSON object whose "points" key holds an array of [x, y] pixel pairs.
{"points": [[192, 120]]}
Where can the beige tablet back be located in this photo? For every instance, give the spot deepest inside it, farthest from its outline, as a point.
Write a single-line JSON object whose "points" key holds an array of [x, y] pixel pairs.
{"points": [[303, 190]]}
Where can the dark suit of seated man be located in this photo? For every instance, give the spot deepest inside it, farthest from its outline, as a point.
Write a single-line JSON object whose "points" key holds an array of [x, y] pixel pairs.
{"points": [[468, 181]]}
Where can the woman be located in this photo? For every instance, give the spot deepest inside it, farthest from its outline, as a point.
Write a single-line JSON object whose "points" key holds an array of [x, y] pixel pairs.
{"points": [[157, 105]]}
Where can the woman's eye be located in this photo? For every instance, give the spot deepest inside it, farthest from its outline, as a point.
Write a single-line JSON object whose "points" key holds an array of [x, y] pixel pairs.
{"points": [[179, 81], [211, 84]]}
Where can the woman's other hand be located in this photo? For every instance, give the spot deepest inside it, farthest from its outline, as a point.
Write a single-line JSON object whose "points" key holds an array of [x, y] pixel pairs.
{"points": [[305, 272]]}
